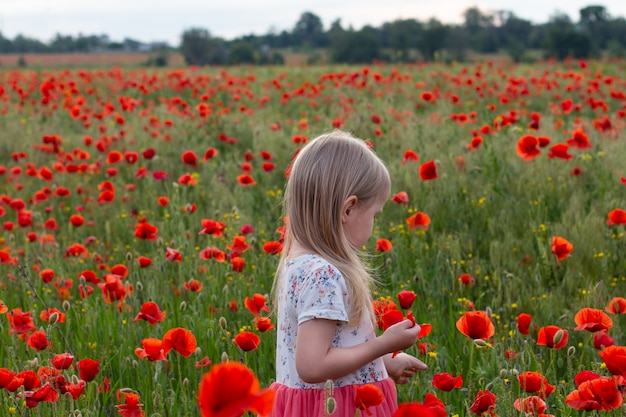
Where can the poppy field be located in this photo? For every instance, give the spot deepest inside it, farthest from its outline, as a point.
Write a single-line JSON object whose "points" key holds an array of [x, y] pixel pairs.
{"points": [[141, 222]]}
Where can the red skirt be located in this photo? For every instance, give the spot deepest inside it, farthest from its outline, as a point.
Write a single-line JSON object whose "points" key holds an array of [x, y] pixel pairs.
{"points": [[295, 402]]}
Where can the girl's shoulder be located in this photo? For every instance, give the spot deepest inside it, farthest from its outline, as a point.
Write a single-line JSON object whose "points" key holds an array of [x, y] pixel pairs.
{"points": [[311, 263]]}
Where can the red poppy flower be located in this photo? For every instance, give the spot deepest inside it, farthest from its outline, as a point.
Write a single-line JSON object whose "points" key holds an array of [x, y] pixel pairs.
{"points": [[592, 320], [617, 305], [76, 250], [527, 147], [263, 324], [193, 285], [585, 375], [77, 220], [596, 394], [245, 180], [273, 247], [401, 197], [44, 394], [579, 140], [230, 389], [113, 289], [146, 231], [534, 382], [615, 359], [409, 155], [561, 248], [476, 325], [414, 409], [29, 378], [88, 369], [163, 201], [131, 406], [45, 315], [152, 349], [418, 219], [475, 143], [20, 322], [239, 244], [46, 275], [38, 340], [446, 382], [203, 363], [181, 340], [173, 255], [237, 263], [428, 171], [616, 216], [189, 158], [435, 406], [212, 227], [151, 313], [6, 376], [383, 245], [368, 395], [247, 341], [466, 279], [376, 119], [602, 340], [144, 261], [484, 402], [256, 304], [212, 253], [553, 337], [560, 150], [533, 405], [210, 153], [62, 360], [523, 322], [120, 270], [427, 96], [406, 298]]}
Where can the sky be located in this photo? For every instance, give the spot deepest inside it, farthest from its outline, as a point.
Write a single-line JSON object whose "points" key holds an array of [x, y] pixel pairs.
{"points": [[166, 20]]}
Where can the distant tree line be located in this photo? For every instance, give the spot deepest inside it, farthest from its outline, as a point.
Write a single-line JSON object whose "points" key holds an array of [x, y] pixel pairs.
{"points": [[595, 34]]}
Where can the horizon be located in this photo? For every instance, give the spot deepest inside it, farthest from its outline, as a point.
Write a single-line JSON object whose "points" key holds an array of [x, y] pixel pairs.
{"points": [[162, 21]]}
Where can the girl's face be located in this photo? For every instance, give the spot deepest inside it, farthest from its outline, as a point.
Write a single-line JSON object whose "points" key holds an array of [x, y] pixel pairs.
{"points": [[358, 219]]}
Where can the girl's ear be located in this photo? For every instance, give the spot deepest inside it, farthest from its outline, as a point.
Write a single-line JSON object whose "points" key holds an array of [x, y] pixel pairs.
{"points": [[348, 206]]}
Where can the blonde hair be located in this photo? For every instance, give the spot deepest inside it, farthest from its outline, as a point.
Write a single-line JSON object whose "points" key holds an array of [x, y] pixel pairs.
{"points": [[326, 171]]}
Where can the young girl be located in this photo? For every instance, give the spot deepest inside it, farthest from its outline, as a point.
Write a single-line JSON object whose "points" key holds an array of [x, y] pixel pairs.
{"points": [[325, 330]]}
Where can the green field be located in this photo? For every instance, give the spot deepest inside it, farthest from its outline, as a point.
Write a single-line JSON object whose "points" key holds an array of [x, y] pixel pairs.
{"points": [[522, 153]]}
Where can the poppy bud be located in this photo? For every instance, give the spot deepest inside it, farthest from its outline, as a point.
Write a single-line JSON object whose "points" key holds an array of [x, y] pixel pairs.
{"points": [[222, 322], [503, 373], [75, 379], [66, 305], [198, 350], [480, 343], [183, 306], [514, 372], [558, 336], [571, 351], [129, 256], [78, 413], [331, 405], [53, 318], [139, 286], [489, 312], [225, 290], [185, 382], [135, 363], [33, 363], [224, 357]]}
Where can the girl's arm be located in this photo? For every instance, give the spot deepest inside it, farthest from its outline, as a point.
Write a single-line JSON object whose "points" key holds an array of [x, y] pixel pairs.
{"points": [[317, 361]]}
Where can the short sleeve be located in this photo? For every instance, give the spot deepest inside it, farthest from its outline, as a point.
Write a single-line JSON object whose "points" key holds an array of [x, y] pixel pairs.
{"points": [[324, 296]]}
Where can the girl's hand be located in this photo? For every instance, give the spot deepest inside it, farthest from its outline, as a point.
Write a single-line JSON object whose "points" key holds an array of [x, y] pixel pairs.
{"points": [[401, 335], [402, 366]]}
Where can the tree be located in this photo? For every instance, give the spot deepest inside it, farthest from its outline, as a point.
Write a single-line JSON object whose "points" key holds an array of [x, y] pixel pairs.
{"points": [[200, 48], [241, 53], [309, 31], [595, 19], [403, 36], [433, 38], [354, 47]]}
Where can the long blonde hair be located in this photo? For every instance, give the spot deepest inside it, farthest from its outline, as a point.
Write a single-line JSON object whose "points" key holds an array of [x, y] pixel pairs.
{"points": [[326, 171]]}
